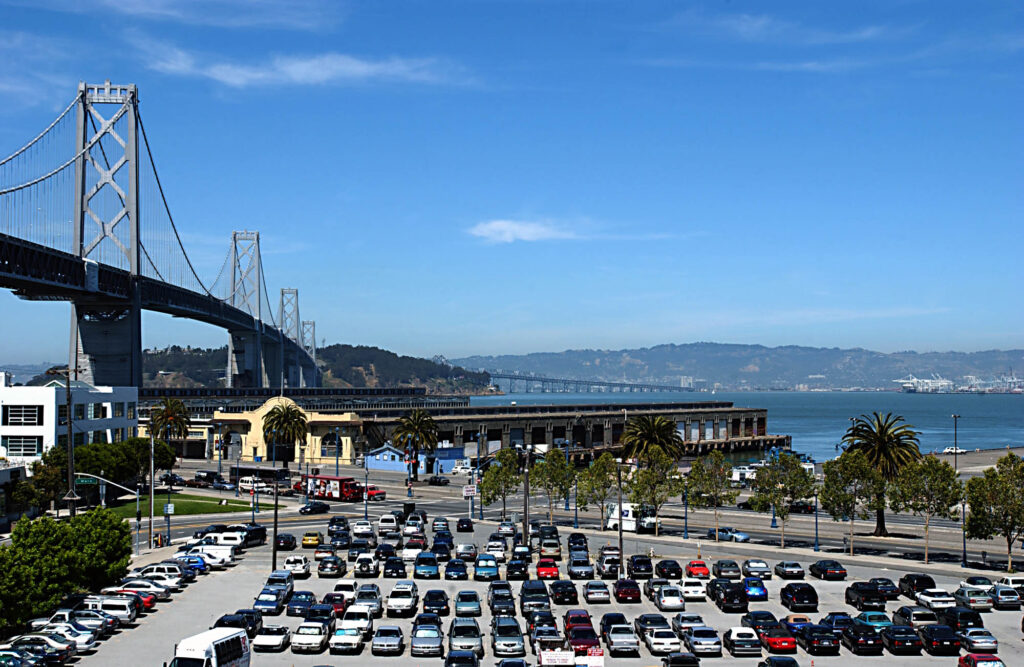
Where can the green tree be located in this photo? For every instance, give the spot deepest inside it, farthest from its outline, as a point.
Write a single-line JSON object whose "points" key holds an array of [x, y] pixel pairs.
{"points": [[996, 504], [595, 485], [47, 547], [710, 483], [416, 431], [502, 479], [555, 476], [778, 485], [285, 422], [103, 542], [927, 488], [654, 483], [888, 444], [137, 456], [170, 419], [645, 432], [850, 488]]}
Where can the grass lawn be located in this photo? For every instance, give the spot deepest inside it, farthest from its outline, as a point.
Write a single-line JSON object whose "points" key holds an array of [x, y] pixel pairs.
{"points": [[185, 504]]}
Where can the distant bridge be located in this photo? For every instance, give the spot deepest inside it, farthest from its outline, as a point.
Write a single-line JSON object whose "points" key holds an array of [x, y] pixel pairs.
{"points": [[531, 383], [84, 218]]}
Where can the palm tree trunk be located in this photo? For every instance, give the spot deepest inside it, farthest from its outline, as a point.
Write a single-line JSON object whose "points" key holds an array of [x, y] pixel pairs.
{"points": [[415, 464], [783, 534], [927, 520], [880, 530]]}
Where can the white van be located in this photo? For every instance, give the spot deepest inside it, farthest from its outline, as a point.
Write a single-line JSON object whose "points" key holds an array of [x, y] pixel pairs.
{"points": [[220, 647], [250, 483], [629, 517], [118, 607], [230, 538], [387, 523]]}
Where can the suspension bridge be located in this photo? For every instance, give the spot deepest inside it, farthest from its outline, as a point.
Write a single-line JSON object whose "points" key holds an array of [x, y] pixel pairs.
{"points": [[530, 383], [84, 218]]}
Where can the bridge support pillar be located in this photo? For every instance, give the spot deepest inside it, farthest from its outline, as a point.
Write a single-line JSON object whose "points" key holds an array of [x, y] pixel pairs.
{"points": [[106, 343], [246, 369]]}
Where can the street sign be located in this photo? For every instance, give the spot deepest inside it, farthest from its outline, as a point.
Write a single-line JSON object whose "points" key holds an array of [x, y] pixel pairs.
{"points": [[595, 656], [71, 495], [469, 490], [168, 509], [85, 480], [557, 658]]}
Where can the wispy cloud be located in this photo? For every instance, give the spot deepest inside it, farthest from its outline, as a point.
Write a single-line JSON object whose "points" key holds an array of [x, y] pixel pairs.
{"points": [[809, 66], [315, 69], [510, 231], [765, 28], [32, 69], [279, 14]]}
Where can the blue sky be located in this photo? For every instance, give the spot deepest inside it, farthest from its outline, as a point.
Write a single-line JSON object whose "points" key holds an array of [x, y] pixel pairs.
{"points": [[501, 177]]}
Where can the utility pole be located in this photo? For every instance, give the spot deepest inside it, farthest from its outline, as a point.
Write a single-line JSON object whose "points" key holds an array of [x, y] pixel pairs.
{"points": [[273, 565], [618, 475], [152, 481], [71, 496]]}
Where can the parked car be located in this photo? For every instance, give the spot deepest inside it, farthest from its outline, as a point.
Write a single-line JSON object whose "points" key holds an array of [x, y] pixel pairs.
{"points": [[939, 640], [755, 567], [789, 569], [913, 583], [668, 569], [388, 640], [899, 639], [438, 480], [726, 569], [697, 569], [703, 640], [741, 641], [828, 570], [864, 595], [799, 595], [861, 639], [272, 638]]}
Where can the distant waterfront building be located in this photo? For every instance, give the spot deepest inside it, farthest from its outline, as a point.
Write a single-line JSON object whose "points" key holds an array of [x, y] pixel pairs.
{"points": [[34, 419]]}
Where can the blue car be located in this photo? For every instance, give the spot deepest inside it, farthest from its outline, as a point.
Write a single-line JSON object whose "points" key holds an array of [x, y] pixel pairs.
{"points": [[727, 534], [198, 563], [836, 621], [442, 551], [467, 603], [456, 569], [426, 566], [795, 626], [756, 592], [444, 537], [301, 601], [270, 601], [485, 568]]}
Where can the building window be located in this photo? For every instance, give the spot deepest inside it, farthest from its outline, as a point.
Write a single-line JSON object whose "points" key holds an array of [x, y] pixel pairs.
{"points": [[62, 414], [79, 439], [99, 436], [23, 415], [131, 410], [97, 411], [119, 409], [62, 440], [197, 435], [23, 445], [79, 411]]}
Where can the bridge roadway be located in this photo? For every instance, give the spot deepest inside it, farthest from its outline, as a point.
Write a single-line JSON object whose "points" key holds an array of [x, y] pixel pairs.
{"points": [[584, 385]]}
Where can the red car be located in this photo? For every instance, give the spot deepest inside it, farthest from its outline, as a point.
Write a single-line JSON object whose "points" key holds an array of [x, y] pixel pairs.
{"points": [[576, 618], [777, 640], [148, 600], [336, 600], [979, 660], [374, 494], [582, 639], [698, 569], [547, 569], [626, 590]]}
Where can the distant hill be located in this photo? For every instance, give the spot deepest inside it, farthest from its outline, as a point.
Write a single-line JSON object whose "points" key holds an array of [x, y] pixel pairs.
{"points": [[753, 366]]}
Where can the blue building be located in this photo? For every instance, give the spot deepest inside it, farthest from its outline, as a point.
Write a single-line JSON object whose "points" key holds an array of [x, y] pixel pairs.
{"points": [[386, 458], [392, 459]]}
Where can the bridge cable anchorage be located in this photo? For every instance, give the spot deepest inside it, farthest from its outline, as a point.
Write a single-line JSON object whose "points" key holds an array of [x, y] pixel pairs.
{"points": [[57, 170], [41, 134]]}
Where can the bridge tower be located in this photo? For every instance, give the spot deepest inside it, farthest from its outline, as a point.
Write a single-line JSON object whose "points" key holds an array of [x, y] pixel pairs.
{"points": [[309, 344], [246, 361], [291, 326], [106, 334]]}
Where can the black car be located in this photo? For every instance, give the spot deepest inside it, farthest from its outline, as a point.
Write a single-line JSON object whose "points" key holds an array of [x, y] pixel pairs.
{"points": [[816, 639], [755, 620], [456, 569], [212, 528], [778, 661], [563, 592], [864, 595], [336, 525], [726, 569], [517, 569], [610, 619], [442, 552], [828, 569], [577, 541], [355, 551], [732, 598], [286, 541], [913, 583], [436, 601], [315, 507], [939, 639], [679, 659], [801, 507], [464, 525], [799, 595], [237, 621], [394, 568], [837, 622], [639, 567], [861, 639], [669, 569], [885, 586], [331, 566], [341, 540], [900, 639], [711, 588], [437, 480]]}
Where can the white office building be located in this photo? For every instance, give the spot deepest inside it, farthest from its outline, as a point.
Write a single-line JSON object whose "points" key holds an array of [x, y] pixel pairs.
{"points": [[34, 419]]}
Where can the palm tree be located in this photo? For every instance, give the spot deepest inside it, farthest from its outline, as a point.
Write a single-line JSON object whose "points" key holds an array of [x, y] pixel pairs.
{"points": [[416, 431], [170, 419], [644, 433], [287, 423], [889, 444]]}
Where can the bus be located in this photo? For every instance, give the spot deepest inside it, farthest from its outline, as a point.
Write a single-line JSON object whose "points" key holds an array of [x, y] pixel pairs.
{"points": [[283, 476], [220, 647]]}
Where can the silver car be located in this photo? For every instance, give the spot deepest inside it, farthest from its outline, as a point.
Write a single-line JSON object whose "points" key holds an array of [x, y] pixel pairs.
{"points": [[755, 567], [978, 640], [464, 635], [622, 639], [507, 637], [596, 591], [369, 595], [426, 640], [683, 621], [703, 641], [973, 597], [388, 639], [580, 568]]}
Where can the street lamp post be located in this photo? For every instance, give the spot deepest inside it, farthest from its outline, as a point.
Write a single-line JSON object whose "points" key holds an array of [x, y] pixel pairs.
{"points": [[302, 459], [686, 511], [567, 465], [526, 496], [576, 505], [476, 477], [963, 531], [408, 470], [956, 449], [337, 449], [366, 496], [238, 471], [618, 477], [775, 524], [217, 443], [816, 520]]}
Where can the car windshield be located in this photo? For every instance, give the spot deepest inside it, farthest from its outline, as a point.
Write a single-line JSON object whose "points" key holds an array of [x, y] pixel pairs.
{"points": [[389, 632], [356, 616], [426, 632], [465, 631], [274, 630], [507, 630], [467, 596], [310, 630], [704, 634], [267, 597], [584, 633]]}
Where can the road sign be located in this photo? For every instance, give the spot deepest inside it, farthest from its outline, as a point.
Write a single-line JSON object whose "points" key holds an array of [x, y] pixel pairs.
{"points": [[557, 658], [71, 495], [85, 480], [595, 656], [469, 490], [168, 509]]}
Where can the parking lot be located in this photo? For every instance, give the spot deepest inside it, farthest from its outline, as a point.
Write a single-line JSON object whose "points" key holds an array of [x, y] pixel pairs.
{"points": [[198, 607]]}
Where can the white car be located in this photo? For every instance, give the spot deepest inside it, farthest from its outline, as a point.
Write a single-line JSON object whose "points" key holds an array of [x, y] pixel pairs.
{"points": [[693, 589], [670, 598], [954, 450], [413, 525], [461, 470], [404, 599], [409, 553], [362, 528], [297, 565], [310, 637], [622, 639], [360, 617], [216, 561], [496, 549], [168, 581], [272, 638], [346, 640], [661, 640], [935, 598], [144, 585], [348, 588], [366, 566], [83, 640]]}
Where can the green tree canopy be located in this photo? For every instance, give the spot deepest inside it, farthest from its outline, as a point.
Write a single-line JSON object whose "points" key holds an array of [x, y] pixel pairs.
{"points": [[555, 476], [502, 479], [284, 423], [888, 444], [595, 485], [778, 484], [655, 482], [170, 419], [928, 488], [850, 488], [996, 504], [416, 431], [710, 483], [643, 433]]}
